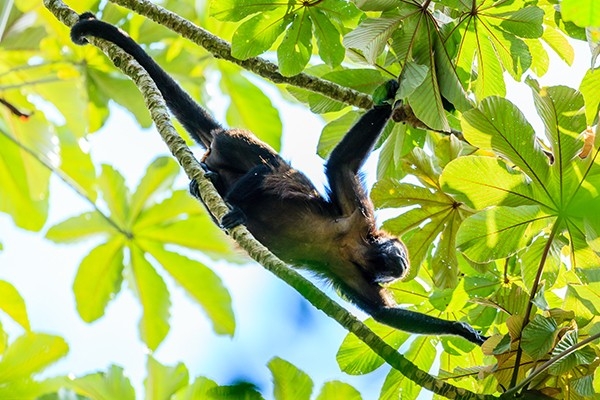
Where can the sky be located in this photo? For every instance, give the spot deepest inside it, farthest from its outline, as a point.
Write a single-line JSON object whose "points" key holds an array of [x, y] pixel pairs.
{"points": [[272, 320]]}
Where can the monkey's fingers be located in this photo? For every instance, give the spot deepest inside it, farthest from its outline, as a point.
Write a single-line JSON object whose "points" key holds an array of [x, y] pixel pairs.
{"points": [[233, 218]]}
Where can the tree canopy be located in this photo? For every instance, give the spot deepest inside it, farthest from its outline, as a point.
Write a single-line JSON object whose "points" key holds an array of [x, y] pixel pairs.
{"points": [[499, 206]]}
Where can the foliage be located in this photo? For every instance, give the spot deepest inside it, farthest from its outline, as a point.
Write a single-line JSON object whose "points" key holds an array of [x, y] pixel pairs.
{"points": [[519, 203]]}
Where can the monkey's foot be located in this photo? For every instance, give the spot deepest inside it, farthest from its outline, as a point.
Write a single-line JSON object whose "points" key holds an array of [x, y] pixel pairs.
{"points": [[233, 218], [467, 331], [194, 189], [209, 173]]}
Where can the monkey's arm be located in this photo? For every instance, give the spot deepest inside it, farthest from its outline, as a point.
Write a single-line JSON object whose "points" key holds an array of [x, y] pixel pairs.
{"points": [[350, 154], [415, 322]]}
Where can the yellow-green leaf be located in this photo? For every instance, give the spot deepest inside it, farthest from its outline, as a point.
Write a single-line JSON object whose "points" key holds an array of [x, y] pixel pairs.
{"points": [[160, 175], [162, 381], [201, 283], [109, 385], [79, 228], [13, 304], [30, 354], [98, 279], [154, 297]]}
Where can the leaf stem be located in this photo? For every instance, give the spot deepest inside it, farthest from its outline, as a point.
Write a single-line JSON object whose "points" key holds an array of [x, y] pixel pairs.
{"points": [[549, 363], [66, 179], [532, 295]]}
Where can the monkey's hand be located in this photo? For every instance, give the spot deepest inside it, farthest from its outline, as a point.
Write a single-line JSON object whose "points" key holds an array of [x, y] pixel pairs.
{"points": [[233, 218], [385, 93], [468, 332]]}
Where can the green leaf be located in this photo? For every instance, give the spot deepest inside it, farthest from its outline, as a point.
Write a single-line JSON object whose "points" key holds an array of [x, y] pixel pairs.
{"points": [[334, 131], [585, 355], [178, 232], [330, 47], [23, 180], [246, 98], [80, 227], [371, 36], [377, 5], [115, 193], [201, 283], [591, 93], [495, 182], [422, 352], [162, 382], [476, 46], [390, 193], [335, 390], [3, 339], [498, 232], [413, 75], [290, 383], [197, 390], [448, 79], [561, 109], [426, 103], [121, 90], [499, 125], [257, 35], [109, 385], [236, 10], [154, 297], [354, 357], [296, 47], [538, 336], [98, 279], [583, 13], [239, 391], [30, 354], [525, 23], [159, 176], [444, 263], [13, 304], [77, 163], [559, 43]]}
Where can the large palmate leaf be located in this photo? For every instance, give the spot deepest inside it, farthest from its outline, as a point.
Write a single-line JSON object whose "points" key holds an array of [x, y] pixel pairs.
{"points": [[137, 229], [557, 187]]}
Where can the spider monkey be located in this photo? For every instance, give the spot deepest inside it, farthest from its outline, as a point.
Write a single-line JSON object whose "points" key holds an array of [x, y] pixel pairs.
{"points": [[334, 236]]}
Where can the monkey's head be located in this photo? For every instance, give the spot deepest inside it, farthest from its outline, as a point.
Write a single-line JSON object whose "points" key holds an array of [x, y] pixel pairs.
{"points": [[386, 258]]}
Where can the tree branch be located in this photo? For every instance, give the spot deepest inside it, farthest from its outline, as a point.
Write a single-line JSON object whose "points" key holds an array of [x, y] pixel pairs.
{"points": [[242, 236], [220, 48]]}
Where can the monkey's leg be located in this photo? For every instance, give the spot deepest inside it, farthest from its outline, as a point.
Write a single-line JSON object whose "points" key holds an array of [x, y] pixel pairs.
{"points": [[243, 193]]}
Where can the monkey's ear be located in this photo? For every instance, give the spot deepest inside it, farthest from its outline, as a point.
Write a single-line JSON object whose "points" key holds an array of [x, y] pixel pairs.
{"points": [[385, 93]]}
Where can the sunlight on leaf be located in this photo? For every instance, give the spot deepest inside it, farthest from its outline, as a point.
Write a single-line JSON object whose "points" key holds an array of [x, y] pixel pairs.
{"points": [[296, 47], [201, 283], [13, 304], [497, 232], [163, 381], [289, 381], [109, 385], [334, 390], [538, 336], [99, 279], [30, 354], [152, 293]]}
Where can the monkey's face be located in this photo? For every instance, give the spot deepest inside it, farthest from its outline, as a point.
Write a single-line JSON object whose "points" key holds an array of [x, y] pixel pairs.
{"points": [[386, 259]]}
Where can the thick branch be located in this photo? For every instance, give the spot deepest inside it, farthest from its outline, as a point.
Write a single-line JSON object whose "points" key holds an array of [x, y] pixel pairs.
{"points": [[240, 234]]}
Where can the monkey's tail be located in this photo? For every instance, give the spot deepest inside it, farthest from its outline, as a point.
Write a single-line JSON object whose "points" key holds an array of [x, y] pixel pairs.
{"points": [[195, 119]]}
